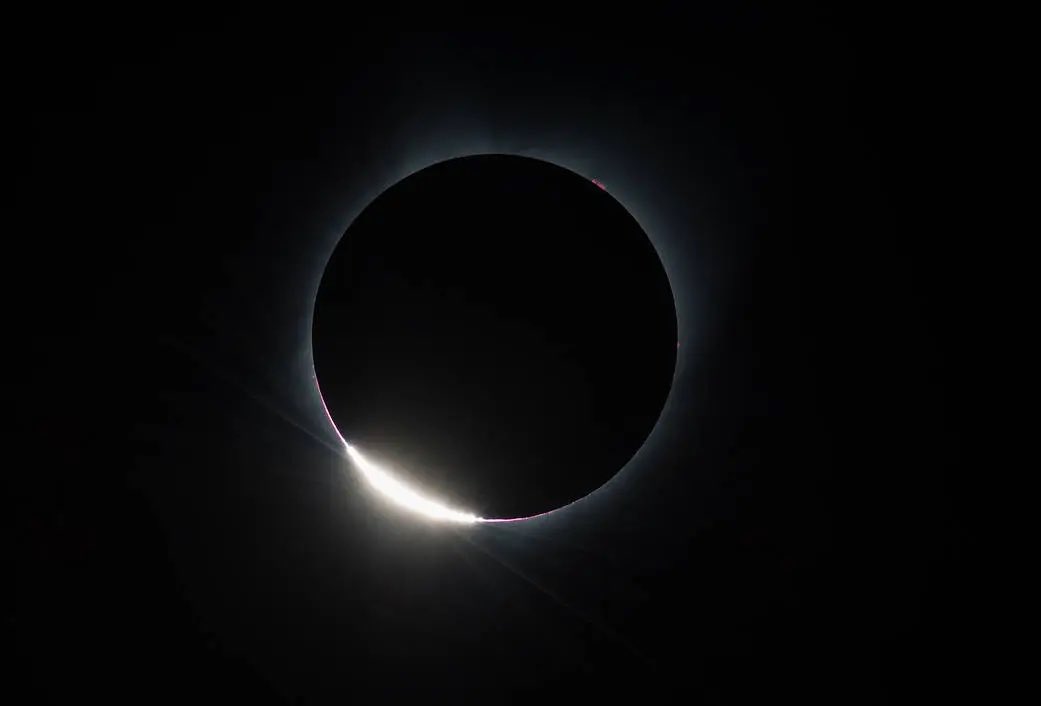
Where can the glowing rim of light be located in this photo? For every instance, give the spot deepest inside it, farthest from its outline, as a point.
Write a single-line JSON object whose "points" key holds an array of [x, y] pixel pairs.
{"points": [[404, 496], [400, 494]]}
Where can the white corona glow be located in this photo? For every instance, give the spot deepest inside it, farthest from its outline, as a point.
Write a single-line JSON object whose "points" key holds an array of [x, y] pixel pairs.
{"points": [[400, 494]]}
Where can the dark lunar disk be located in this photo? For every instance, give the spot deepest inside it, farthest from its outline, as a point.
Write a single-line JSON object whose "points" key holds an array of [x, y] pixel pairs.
{"points": [[499, 331]]}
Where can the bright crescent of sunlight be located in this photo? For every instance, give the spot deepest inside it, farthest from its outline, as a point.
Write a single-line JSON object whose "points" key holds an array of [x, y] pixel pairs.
{"points": [[400, 494]]}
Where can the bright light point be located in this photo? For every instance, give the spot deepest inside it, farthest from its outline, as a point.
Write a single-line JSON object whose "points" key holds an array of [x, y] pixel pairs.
{"points": [[402, 495]]}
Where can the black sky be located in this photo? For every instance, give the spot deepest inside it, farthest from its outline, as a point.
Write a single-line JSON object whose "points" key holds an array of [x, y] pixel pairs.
{"points": [[184, 527]]}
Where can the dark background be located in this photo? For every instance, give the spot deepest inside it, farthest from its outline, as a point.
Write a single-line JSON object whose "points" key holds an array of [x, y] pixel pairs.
{"points": [[182, 526]]}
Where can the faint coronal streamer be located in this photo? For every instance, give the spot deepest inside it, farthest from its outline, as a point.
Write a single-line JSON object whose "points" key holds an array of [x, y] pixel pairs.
{"points": [[400, 494]]}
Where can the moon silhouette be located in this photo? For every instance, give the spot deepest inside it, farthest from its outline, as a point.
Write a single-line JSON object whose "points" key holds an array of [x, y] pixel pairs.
{"points": [[494, 338]]}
